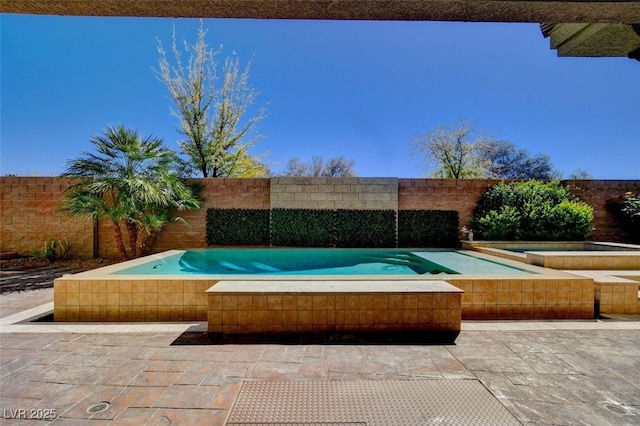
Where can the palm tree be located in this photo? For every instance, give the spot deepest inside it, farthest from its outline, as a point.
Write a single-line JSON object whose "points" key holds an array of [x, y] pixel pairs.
{"points": [[129, 181]]}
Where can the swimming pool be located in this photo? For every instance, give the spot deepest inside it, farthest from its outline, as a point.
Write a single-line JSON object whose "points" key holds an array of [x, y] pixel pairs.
{"points": [[319, 262], [159, 288]]}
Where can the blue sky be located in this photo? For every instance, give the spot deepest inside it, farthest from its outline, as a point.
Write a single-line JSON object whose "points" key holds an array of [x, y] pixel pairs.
{"points": [[353, 88]]}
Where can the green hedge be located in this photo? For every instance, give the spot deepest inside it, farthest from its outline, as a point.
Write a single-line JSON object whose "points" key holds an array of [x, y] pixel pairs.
{"points": [[428, 228], [237, 227], [365, 228], [302, 228], [531, 210]]}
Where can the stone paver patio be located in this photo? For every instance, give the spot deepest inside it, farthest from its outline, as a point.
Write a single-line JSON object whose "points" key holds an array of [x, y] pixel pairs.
{"points": [[564, 372]]}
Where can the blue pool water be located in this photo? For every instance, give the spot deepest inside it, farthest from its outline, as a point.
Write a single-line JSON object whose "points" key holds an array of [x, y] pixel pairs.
{"points": [[319, 262]]}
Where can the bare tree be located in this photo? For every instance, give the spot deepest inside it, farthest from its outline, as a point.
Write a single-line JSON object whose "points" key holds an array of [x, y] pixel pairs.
{"points": [[213, 112], [449, 151], [503, 160], [334, 167]]}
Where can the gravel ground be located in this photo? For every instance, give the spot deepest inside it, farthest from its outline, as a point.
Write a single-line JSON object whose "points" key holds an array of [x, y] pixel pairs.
{"points": [[31, 273]]}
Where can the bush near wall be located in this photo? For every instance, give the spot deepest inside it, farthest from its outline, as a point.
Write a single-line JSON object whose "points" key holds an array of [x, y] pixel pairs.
{"points": [[428, 228], [365, 228], [237, 227], [302, 228], [531, 210]]}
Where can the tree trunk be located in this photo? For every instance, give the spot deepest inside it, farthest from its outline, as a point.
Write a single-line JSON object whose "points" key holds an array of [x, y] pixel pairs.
{"points": [[132, 230], [141, 244], [117, 236], [151, 241]]}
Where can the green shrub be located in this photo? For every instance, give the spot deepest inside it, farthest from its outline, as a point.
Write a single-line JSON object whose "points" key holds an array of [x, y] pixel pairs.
{"points": [[428, 228], [365, 228], [502, 224], [302, 228], [237, 227], [531, 210]]}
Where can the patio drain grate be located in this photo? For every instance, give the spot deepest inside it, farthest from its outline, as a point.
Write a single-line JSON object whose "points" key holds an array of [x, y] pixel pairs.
{"points": [[368, 402], [98, 408]]}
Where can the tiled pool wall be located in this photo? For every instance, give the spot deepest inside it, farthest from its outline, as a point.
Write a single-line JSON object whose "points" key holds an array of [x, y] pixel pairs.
{"points": [[98, 296], [333, 306], [614, 268]]}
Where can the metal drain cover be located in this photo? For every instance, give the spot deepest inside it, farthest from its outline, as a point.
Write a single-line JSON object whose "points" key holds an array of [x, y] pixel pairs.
{"points": [[370, 402], [99, 407]]}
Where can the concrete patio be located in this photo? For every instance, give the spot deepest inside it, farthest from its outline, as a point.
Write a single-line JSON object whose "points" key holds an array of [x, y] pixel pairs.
{"points": [[546, 372]]}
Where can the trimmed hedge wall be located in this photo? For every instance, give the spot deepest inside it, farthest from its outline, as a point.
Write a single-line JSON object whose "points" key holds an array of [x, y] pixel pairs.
{"points": [[365, 228], [302, 228], [237, 227], [332, 228], [427, 228]]}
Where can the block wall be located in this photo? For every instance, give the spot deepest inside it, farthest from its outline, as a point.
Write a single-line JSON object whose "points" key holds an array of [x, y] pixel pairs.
{"points": [[29, 216], [28, 206], [334, 193], [596, 193], [216, 193], [442, 194]]}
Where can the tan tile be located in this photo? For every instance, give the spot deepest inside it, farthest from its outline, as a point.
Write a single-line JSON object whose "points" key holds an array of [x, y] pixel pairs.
{"points": [[490, 298], [319, 302], [410, 301], [230, 317], [85, 313], [150, 286], [73, 299], [138, 313], [190, 313], [491, 286], [453, 316], [60, 286], [305, 302], [164, 299], [151, 313], [440, 300], [189, 299], [176, 286], [395, 302], [244, 302], [126, 299], [164, 313], [113, 313], [73, 313], [503, 286], [229, 302], [125, 287], [138, 286], [515, 286], [85, 299], [439, 316], [478, 299], [305, 317], [245, 317], [73, 287], [380, 301], [490, 312], [319, 316], [339, 300], [289, 303], [365, 301], [259, 302], [515, 298], [189, 286], [274, 317], [453, 301], [290, 316], [274, 302], [138, 299]]}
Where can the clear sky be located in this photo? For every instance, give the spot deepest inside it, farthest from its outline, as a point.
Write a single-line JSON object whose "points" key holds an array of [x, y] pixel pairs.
{"points": [[359, 89]]}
